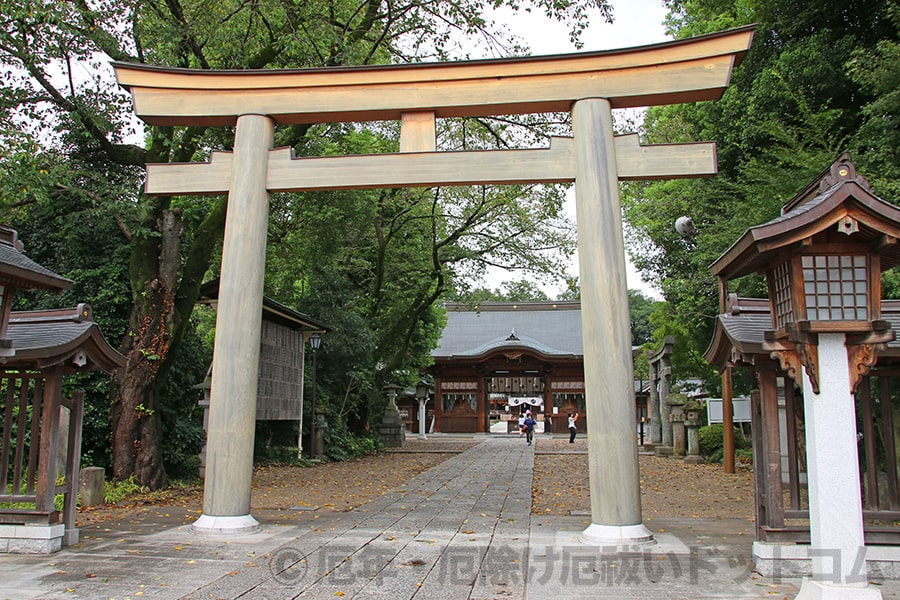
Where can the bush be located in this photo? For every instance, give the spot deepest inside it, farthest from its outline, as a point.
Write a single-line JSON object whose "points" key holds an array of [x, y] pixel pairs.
{"points": [[743, 456], [343, 444], [116, 491], [712, 441], [279, 455]]}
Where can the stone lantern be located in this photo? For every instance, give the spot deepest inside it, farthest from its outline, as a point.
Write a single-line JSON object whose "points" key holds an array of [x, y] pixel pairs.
{"points": [[392, 430], [822, 259], [422, 391], [676, 402], [692, 425]]}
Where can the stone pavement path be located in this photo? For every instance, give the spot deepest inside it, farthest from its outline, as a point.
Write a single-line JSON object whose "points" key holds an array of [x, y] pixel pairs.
{"points": [[460, 530], [437, 537]]}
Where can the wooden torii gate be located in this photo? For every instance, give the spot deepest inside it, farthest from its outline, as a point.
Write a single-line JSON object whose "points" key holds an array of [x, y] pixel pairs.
{"points": [[589, 85]]}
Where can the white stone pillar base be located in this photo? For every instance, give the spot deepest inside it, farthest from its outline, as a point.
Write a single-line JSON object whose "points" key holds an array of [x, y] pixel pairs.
{"points": [[816, 590], [207, 524], [31, 539], [616, 535]]}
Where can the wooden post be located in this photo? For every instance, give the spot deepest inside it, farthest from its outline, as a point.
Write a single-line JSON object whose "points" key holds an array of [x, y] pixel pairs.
{"points": [[759, 469], [48, 439], [727, 421], [790, 411], [771, 454], [609, 387], [232, 410]]}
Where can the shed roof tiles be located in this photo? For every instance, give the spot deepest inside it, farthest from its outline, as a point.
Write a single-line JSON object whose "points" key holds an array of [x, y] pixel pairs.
{"points": [[44, 338]]}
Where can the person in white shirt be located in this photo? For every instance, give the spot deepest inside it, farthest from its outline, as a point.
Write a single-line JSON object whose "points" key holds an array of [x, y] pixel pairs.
{"points": [[572, 429]]}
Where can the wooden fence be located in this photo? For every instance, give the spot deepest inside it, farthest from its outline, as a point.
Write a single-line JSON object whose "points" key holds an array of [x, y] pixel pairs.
{"points": [[30, 451]]}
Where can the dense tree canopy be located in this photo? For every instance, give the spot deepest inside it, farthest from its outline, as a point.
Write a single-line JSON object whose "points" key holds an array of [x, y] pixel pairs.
{"points": [[819, 80], [371, 264]]}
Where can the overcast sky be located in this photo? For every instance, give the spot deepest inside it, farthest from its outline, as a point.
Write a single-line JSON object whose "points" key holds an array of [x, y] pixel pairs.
{"points": [[636, 23]]}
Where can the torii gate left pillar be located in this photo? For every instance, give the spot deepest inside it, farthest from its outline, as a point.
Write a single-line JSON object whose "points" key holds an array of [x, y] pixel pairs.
{"points": [[589, 85], [237, 343]]}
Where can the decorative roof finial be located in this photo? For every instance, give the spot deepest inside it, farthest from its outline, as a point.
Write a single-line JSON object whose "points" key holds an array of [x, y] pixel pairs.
{"points": [[843, 170]]}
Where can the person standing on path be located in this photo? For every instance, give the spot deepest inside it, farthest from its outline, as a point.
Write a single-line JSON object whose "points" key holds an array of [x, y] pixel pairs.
{"points": [[529, 427], [572, 429], [548, 424]]}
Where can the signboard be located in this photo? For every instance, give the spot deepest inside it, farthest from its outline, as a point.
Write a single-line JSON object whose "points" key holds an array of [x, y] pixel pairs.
{"points": [[741, 410]]}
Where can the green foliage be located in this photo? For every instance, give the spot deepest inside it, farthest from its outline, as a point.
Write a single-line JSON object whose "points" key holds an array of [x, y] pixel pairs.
{"points": [[373, 264], [890, 284], [95, 446], [712, 442], [794, 104], [641, 308], [58, 499], [181, 415], [275, 443], [509, 291], [116, 491], [342, 444], [877, 71], [687, 356]]}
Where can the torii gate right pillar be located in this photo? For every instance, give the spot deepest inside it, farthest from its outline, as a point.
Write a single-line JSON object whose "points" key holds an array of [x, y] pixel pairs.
{"points": [[612, 452]]}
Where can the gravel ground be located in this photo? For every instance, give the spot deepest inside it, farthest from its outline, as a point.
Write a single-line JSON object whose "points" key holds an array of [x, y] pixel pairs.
{"points": [[669, 488]]}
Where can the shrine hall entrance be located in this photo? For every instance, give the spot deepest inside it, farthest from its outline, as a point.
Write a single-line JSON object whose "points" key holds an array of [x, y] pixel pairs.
{"points": [[500, 359], [510, 395]]}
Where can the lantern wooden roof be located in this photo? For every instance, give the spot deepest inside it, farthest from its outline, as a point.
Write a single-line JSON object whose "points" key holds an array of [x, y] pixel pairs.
{"points": [[18, 270], [836, 207], [68, 336], [740, 332]]}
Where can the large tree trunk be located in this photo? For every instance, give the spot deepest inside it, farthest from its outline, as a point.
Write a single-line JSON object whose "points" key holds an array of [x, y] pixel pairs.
{"points": [[135, 416]]}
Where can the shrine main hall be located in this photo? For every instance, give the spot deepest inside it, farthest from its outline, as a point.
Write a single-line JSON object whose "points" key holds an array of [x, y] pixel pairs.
{"points": [[498, 359]]}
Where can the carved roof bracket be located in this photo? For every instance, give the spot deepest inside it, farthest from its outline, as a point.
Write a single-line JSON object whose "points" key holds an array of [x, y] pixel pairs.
{"points": [[861, 358], [862, 352], [740, 359], [794, 354], [883, 242]]}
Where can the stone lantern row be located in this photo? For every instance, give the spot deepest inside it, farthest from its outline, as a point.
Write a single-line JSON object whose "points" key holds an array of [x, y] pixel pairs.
{"points": [[674, 418], [684, 419]]}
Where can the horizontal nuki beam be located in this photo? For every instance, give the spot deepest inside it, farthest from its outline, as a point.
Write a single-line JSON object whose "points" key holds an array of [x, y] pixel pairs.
{"points": [[687, 70], [555, 164]]}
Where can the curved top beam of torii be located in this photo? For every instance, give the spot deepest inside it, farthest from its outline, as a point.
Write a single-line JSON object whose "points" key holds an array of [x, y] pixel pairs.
{"points": [[687, 70], [680, 71]]}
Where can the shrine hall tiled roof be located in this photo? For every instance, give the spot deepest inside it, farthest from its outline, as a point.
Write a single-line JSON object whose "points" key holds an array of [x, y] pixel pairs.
{"points": [[548, 328]]}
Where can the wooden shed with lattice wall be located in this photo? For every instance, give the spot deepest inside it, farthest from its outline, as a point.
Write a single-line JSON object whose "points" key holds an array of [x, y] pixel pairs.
{"points": [[283, 337]]}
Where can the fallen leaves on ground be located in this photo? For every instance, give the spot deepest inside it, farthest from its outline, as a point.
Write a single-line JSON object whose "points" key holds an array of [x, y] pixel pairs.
{"points": [[669, 487], [335, 486]]}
